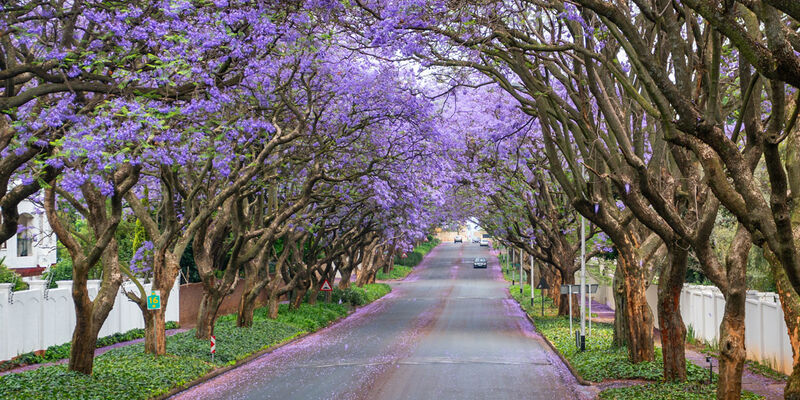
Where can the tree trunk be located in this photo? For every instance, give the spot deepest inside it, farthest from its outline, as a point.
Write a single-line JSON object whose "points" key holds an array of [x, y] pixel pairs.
{"points": [[731, 347], [563, 305], [247, 307], [300, 294], [638, 316], [272, 304], [207, 314], [732, 350], [790, 303], [673, 331], [620, 322], [155, 336], [84, 337], [344, 283]]}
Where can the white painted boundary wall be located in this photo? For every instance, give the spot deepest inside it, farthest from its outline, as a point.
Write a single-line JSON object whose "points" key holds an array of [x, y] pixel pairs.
{"points": [[32, 322], [702, 307]]}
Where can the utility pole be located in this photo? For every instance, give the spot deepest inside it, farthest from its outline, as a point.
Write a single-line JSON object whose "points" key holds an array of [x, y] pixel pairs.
{"points": [[583, 280], [533, 282], [521, 281]]}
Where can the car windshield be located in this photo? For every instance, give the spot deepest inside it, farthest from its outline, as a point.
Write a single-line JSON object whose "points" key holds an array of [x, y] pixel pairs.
{"points": [[480, 260]]}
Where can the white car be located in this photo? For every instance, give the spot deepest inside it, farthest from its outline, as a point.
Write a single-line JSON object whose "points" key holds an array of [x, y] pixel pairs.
{"points": [[484, 242], [457, 239]]}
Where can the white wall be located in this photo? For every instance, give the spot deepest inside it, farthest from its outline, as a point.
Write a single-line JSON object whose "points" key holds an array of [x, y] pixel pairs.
{"points": [[29, 321], [702, 307]]}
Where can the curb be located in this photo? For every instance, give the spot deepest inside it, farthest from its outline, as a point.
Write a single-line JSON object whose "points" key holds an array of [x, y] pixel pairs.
{"points": [[572, 370]]}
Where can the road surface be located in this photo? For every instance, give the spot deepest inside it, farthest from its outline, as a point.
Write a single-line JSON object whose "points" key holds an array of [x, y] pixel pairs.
{"points": [[447, 332]]}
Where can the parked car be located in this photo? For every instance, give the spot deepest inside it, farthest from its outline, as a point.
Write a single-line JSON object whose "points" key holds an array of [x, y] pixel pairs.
{"points": [[484, 242], [479, 263], [457, 239]]}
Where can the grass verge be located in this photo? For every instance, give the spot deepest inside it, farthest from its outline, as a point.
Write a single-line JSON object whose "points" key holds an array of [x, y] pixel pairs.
{"points": [[397, 272], [61, 351], [128, 373], [601, 361]]}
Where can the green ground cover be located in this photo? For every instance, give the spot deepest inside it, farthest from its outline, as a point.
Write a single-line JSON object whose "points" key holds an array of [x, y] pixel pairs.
{"points": [[602, 361], [398, 272], [128, 373], [61, 351]]}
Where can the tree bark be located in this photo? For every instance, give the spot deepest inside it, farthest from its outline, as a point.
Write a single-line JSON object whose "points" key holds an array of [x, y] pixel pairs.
{"points": [[207, 314], [790, 303], [247, 306], [673, 331], [272, 304], [620, 321], [638, 316], [155, 337], [732, 352]]}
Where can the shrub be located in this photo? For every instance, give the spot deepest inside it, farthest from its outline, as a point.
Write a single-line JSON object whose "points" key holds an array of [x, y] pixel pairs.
{"points": [[62, 271], [9, 276]]}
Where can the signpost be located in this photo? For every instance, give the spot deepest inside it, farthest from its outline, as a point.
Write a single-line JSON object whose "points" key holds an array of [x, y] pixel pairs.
{"points": [[213, 347], [326, 287], [542, 286], [592, 290], [154, 300], [520, 272], [570, 290], [532, 282]]}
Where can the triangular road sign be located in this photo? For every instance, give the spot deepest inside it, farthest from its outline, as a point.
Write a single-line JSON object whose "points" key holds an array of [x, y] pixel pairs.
{"points": [[543, 284], [326, 287]]}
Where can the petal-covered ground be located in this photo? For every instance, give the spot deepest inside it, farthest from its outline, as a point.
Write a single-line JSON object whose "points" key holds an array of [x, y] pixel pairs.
{"points": [[447, 332]]}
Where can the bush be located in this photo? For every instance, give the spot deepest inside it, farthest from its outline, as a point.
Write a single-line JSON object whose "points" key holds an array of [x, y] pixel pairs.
{"points": [[357, 296], [9, 276], [62, 271], [411, 260]]}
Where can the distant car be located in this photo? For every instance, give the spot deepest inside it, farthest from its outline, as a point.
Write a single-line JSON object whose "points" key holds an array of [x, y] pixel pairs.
{"points": [[479, 263], [457, 239], [476, 240], [484, 242]]}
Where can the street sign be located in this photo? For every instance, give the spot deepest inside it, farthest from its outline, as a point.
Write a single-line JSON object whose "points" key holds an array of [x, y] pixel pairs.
{"points": [[326, 287], [565, 289], [543, 284], [154, 300]]}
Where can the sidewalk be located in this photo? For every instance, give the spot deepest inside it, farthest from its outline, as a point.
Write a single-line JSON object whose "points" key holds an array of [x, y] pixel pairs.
{"points": [[771, 389]]}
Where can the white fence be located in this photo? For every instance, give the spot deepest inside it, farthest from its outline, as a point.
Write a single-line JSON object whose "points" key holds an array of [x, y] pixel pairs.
{"points": [[702, 307], [30, 321]]}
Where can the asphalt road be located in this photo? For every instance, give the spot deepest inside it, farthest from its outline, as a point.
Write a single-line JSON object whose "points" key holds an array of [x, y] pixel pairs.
{"points": [[447, 332]]}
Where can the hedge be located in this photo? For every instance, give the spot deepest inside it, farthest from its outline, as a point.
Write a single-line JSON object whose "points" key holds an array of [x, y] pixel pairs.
{"points": [[415, 257]]}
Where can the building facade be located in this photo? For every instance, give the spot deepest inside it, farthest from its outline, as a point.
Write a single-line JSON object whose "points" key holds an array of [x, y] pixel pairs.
{"points": [[34, 246]]}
